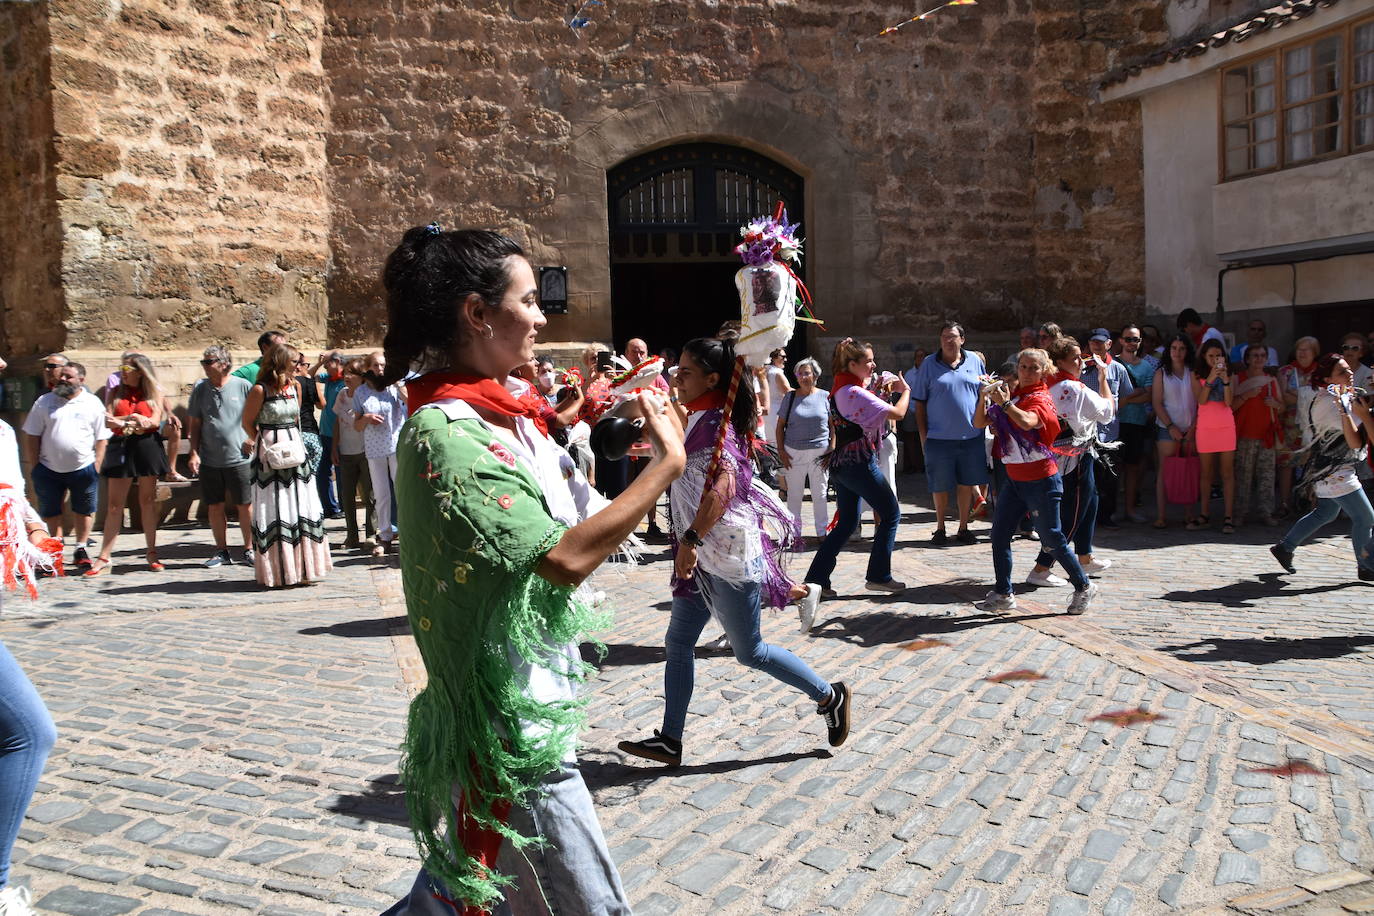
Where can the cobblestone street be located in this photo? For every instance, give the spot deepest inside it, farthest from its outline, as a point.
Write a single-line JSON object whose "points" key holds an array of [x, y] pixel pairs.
{"points": [[227, 749]]}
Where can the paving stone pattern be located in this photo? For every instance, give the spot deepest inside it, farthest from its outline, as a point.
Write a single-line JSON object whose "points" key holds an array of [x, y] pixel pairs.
{"points": [[238, 755]]}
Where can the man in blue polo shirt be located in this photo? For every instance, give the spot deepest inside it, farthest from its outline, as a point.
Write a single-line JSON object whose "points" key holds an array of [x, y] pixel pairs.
{"points": [[946, 393]]}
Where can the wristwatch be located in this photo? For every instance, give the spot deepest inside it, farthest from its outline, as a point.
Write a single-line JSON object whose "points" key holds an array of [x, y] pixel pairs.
{"points": [[691, 537]]}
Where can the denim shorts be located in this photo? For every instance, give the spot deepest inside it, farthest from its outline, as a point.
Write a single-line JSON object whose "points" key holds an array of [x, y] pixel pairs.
{"points": [[954, 463], [51, 487]]}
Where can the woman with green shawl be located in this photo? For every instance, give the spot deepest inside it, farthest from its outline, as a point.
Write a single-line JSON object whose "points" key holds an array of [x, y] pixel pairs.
{"points": [[502, 531]]}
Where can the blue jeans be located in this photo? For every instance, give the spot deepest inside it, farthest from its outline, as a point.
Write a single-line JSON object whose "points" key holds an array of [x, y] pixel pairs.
{"points": [[852, 483], [1041, 498], [1077, 511], [324, 477], [570, 874], [1356, 505], [737, 608], [27, 734]]}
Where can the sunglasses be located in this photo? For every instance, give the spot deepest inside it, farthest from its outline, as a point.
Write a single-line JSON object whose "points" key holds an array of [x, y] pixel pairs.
{"points": [[128, 368], [51, 366], [1130, 340], [208, 362], [1352, 347]]}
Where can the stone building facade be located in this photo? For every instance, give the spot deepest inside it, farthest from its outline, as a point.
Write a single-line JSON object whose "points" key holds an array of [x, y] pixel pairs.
{"points": [[181, 172]]}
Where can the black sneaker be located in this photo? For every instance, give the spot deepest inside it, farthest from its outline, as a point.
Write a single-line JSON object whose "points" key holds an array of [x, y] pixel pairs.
{"points": [[837, 714], [939, 538], [1284, 556], [660, 748], [966, 537], [221, 558], [81, 559], [1366, 574]]}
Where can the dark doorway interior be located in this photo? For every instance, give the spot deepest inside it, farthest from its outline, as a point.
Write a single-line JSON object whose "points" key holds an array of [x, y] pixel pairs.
{"points": [[1332, 321], [675, 219]]}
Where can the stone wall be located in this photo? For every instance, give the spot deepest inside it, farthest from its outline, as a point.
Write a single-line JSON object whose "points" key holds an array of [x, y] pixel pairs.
{"points": [[31, 305], [1089, 236], [915, 146], [190, 179]]}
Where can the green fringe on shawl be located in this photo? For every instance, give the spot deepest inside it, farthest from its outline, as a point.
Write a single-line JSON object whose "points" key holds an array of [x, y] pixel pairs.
{"points": [[452, 737]]}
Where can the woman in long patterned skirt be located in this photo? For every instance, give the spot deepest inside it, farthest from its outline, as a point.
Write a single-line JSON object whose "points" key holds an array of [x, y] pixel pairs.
{"points": [[288, 523]]}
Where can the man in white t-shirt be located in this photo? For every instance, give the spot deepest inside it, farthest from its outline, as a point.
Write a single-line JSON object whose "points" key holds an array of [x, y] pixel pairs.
{"points": [[64, 446]]}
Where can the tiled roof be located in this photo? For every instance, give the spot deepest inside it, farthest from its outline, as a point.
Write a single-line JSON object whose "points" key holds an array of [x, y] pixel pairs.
{"points": [[1274, 17]]}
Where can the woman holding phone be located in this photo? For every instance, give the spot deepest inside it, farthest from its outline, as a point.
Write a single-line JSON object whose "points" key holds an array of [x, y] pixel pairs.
{"points": [[1216, 431]]}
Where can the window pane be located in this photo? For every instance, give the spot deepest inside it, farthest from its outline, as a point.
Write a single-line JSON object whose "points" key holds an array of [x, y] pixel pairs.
{"points": [[1299, 119], [1264, 99], [1327, 73], [1237, 162], [1298, 60], [1263, 70], [1364, 101], [1299, 147], [1364, 38], [1364, 132], [1265, 127], [1297, 89], [1267, 155]]}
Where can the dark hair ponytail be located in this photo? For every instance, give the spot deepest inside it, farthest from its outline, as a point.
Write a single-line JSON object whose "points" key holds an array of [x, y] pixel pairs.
{"points": [[717, 354], [427, 278]]}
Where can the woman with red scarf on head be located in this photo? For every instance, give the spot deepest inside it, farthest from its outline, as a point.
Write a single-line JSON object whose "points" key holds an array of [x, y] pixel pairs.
{"points": [[505, 533], [1025, 424]]}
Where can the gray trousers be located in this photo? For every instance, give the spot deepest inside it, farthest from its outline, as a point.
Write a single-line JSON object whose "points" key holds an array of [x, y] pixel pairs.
{"points": [[570, 874]]}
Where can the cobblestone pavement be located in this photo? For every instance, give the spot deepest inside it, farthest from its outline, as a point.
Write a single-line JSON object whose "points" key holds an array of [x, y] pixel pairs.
{"points": [[237, 754]]}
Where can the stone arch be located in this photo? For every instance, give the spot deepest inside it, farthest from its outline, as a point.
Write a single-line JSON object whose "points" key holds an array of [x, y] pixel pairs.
{"points": [[841, 243]]}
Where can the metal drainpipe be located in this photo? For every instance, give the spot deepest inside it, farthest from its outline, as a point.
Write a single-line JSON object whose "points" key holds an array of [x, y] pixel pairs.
{"points": [[1293, 264]]}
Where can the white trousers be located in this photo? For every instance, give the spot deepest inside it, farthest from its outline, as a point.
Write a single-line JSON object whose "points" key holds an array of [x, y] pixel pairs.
{"points": [[887, 464], [805, 465], [383, 473]]}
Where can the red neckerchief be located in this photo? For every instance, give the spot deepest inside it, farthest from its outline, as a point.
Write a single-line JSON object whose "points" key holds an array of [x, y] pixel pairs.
{"points": [[1038, 395], [485, 393], [847, 378], [711, 400], [1057, 377], [537, 409], [1107, 358]]}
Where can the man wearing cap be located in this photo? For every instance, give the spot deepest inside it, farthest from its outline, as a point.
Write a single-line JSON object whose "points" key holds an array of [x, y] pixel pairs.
{"points": [[1119, 381]]}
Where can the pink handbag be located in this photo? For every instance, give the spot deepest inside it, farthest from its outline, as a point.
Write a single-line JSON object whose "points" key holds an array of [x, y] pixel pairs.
{"points": [[1180, 473]]}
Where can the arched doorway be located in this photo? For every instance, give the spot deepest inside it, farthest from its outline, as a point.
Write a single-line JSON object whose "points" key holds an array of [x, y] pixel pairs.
{"points": [[675, 215]]}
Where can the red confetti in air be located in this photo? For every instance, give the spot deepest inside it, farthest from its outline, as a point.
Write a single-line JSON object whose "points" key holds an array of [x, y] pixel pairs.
{"points": [[1124, 717], [1020, 674], [917, 645], [1292, 767]]}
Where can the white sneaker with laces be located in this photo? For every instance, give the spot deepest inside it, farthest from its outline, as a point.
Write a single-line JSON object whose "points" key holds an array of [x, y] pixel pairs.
{"points": [[15, 901], [806, 607], [1095, 566], [1046, 578], [1082, 600], [996, 601]]}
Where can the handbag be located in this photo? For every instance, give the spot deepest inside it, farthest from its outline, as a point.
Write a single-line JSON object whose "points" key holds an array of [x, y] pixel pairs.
{"points": [[283, 454], [1181, 473]]}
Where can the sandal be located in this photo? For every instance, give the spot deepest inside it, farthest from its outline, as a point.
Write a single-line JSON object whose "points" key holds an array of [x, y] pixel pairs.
{"points": [[1159, 523], [1198, 523], [153, 563], [98, 568], [1228, 526]]}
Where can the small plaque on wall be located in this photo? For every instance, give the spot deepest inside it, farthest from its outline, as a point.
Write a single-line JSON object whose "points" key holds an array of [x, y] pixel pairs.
{"points": [[553, 290]]}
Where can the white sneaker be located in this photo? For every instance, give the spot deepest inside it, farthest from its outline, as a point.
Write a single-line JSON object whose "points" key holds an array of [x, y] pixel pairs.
{"points": [[891, 585], [1095, 566], [1081, 601], [1046, 578], [996, 601], [720, 642], [806, 607], [1136, 517], [14, 901]]}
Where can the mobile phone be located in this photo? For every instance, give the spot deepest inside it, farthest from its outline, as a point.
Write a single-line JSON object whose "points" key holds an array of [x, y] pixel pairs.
{"points": [[605, 359]]}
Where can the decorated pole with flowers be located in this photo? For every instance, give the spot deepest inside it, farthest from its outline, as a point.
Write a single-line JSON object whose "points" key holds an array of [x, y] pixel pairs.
{"points": [[770, 294]]}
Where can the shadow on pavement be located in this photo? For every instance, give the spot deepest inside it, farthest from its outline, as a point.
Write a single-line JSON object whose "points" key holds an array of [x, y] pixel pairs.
{"points": [[885, 627], [173, 587], [618, 654], [1242, 593], [600, 775], [356, 629], [383, 799], [1267, 651]]}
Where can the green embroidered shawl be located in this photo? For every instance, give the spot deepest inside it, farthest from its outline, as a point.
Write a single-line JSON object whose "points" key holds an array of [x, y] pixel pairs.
{"points": [[476, 527]]}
